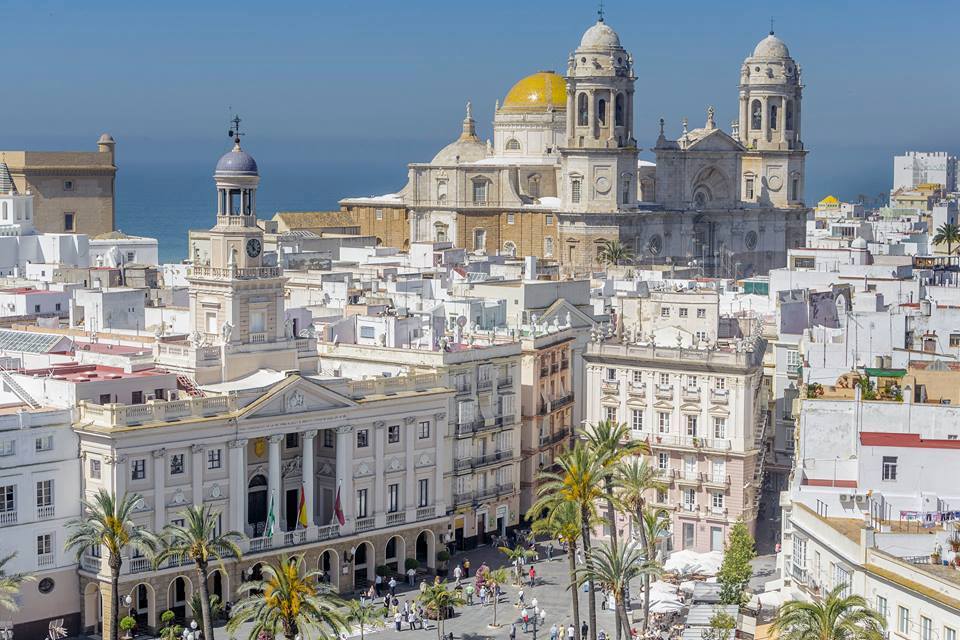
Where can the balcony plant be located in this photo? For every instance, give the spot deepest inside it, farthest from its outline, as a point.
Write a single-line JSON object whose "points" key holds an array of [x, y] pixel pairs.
{"points": [[127, 625]]}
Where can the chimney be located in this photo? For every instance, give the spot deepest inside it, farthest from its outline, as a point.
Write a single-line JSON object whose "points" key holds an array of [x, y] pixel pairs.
{"points": [[530, 268]]}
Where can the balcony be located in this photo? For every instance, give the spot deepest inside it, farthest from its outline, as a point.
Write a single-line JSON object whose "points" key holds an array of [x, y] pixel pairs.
{"points": [[140, 565], [394, 519], [8, 518], [544, 372], [637, 389], [297, 536], [564, 364], [483, 424], [554, 368], [610, 386], [45, 559], [549, 406], [484, 385], [233, 273], [45, 512], [262, 543], [550, 439], [467, 497], [464, 388], [691, 394], [258, 338], [328, 532], [506, 381], [690, 478], [689, 442], [687, 507], [482, 461], [719, 396], [364, 524], [716, 481], [425, 513], [664, 391]]}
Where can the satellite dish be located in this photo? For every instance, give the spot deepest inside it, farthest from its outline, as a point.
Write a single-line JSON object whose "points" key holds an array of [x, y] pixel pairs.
{"points": [[462, 321]]}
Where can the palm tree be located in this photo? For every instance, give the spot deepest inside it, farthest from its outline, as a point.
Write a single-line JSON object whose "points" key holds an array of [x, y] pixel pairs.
{"points": [[614, 567], [837, 616], [198, 541], [517, 556], [106, 525], [288, 602], [634, 479], [655, 524], [436, 598], [563, 522], [580, 480], [10, 585], [614, 253], [367, 616], [496, 578], [949, 233]]}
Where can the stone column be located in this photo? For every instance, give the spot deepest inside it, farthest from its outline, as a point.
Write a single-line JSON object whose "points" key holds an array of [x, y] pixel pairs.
{"points": [[238, 484], [379, 483], [628, 121], [439, 489], [410, 468], [196, 474], [309, 478], [159, 500], [592, 114], [345, 476], [571, 116], [119, 472], [273, 481]]}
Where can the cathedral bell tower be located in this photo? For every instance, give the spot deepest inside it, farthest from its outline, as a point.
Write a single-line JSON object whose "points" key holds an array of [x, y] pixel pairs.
{"points": [[600, 156]]}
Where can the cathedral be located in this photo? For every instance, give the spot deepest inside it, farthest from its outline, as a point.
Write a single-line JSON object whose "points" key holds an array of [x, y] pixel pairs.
{"points": [[562, 175]]}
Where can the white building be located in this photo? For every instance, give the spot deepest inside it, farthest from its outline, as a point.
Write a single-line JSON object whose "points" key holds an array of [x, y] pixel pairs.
{"points": [[914, 168]]}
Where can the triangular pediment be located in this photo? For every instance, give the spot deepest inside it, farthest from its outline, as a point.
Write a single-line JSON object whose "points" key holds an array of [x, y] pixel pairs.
{"points": [[563, 311], [294, 395], [714, 140]]}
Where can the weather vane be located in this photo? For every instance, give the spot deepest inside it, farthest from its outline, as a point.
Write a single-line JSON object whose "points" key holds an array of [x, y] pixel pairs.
{"points": [[771, 25], [234, 131], [600, 12]]}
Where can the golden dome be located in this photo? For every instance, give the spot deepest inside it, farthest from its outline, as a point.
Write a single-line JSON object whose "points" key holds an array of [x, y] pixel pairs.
{"points": [[541, 91]]}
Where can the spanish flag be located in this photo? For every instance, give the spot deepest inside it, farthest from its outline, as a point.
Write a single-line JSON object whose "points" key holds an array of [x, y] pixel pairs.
{"points": [[302, 511]]}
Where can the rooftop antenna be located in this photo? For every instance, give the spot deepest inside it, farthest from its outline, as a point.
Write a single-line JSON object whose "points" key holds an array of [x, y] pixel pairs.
{"points": [[234, 132], [771, 25], [600, 12]]}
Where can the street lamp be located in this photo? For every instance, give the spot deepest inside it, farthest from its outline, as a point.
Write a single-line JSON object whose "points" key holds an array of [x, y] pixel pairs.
{"points": [[6, 633], [539, 618]]}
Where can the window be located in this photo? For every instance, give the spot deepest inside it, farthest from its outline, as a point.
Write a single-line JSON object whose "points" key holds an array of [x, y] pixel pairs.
{"points": [[361, 503], [36, 308], [548, 219], [718, 470], [393, 433], [575, 190], [44, 544], [637, 377], [423, 487], [774, 113], [701, 313], [756, 115], [692, 426], [363, 438], [130, 256], [43, 443], [479, 239], [800, 558], [213, 459], [949, 633], [8, 447], [424, 430], [393, 498], [582, 110], [882, 607], [903, 620], [693, 382], [176, 464], [56, 307], [292, 440], [889, 467], [748, 189], [661, 496], [663, 461], [513, 145], [664, 312], [548, 247], [663, 422], [719, 428], [68, 185], [716, 501], [328, 438], [618, 110], [794, 189], [94, 469], [511, 218], [480, 192], [45, 493], [610, 414], [368, 332], [138, 469], [926, 628], [690, 499], [682, 312], [68, 221], [955, 339], [378, 213], [626, 191], [611, 374], [637, 419], [720, 384], [789, 116], [8, 503], [664, 379], [602, 112], [842, 577], [700, 336], [793, 360]]}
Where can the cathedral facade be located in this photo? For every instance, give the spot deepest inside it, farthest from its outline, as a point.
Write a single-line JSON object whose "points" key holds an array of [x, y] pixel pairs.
{"points": [[562, 175]]}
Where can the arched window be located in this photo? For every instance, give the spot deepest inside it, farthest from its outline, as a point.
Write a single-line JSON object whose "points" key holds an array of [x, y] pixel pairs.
{"points": [[575, 190], [602, 111], [513, 144], [618, 110], [789, 116], [509, 249], [440, 231], [774, 112], [548, 247], [533, 186], [582, 110], [756, 115], [479, 239]]}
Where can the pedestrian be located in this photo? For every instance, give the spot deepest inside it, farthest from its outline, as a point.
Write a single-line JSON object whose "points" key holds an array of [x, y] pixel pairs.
{"points": [[411, 576], [423, 586], [525, 616], [457, 573], [469, 591], [533, 576], [397, 620], [602, 635], [483, 595], [554, 631], [377, 584], [520, 601], [583, 630], [513, 631], [393, 586], [466, 567], [550, 551], [571, 634], [579, 557], [603, 600], [406, 607]]}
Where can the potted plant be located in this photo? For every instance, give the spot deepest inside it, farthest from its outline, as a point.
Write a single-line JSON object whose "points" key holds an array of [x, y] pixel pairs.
{"points": [[443, 557], [411, 563], [127, 625], [384, 571], [169, 630], [937, 554]]}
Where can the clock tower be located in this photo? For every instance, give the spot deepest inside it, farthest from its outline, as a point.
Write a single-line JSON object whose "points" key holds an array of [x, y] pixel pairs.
{"points": [[237, 299]]}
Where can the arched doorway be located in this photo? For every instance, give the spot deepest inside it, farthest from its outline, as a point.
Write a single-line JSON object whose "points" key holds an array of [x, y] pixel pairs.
{"points": [[92, 607], [395, 553], [426, 549], [257, 505], [178, 594], [329, 564], [364, 565], [218, 584], [143, 607]]}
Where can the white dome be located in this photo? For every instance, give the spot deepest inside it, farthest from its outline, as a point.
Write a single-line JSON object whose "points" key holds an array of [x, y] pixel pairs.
{"points": [[771, 47], [600, 36], [858, 243]]}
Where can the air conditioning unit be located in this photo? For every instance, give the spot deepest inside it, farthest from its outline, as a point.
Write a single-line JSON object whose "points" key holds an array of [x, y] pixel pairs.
{"points": [[173, 394], [862, 500], [151, 396], [846, 498]]}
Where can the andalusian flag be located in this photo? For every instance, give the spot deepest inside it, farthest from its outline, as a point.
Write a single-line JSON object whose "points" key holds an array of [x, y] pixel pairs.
{"points": [[302, 511], [271, 519]]}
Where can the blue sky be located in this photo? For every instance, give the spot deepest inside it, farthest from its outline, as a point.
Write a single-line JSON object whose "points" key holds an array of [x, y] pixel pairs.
{"points": [[378, 83]]}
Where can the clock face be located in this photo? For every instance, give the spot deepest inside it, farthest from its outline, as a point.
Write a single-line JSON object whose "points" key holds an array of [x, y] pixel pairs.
{"points": [[254, 247]]}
